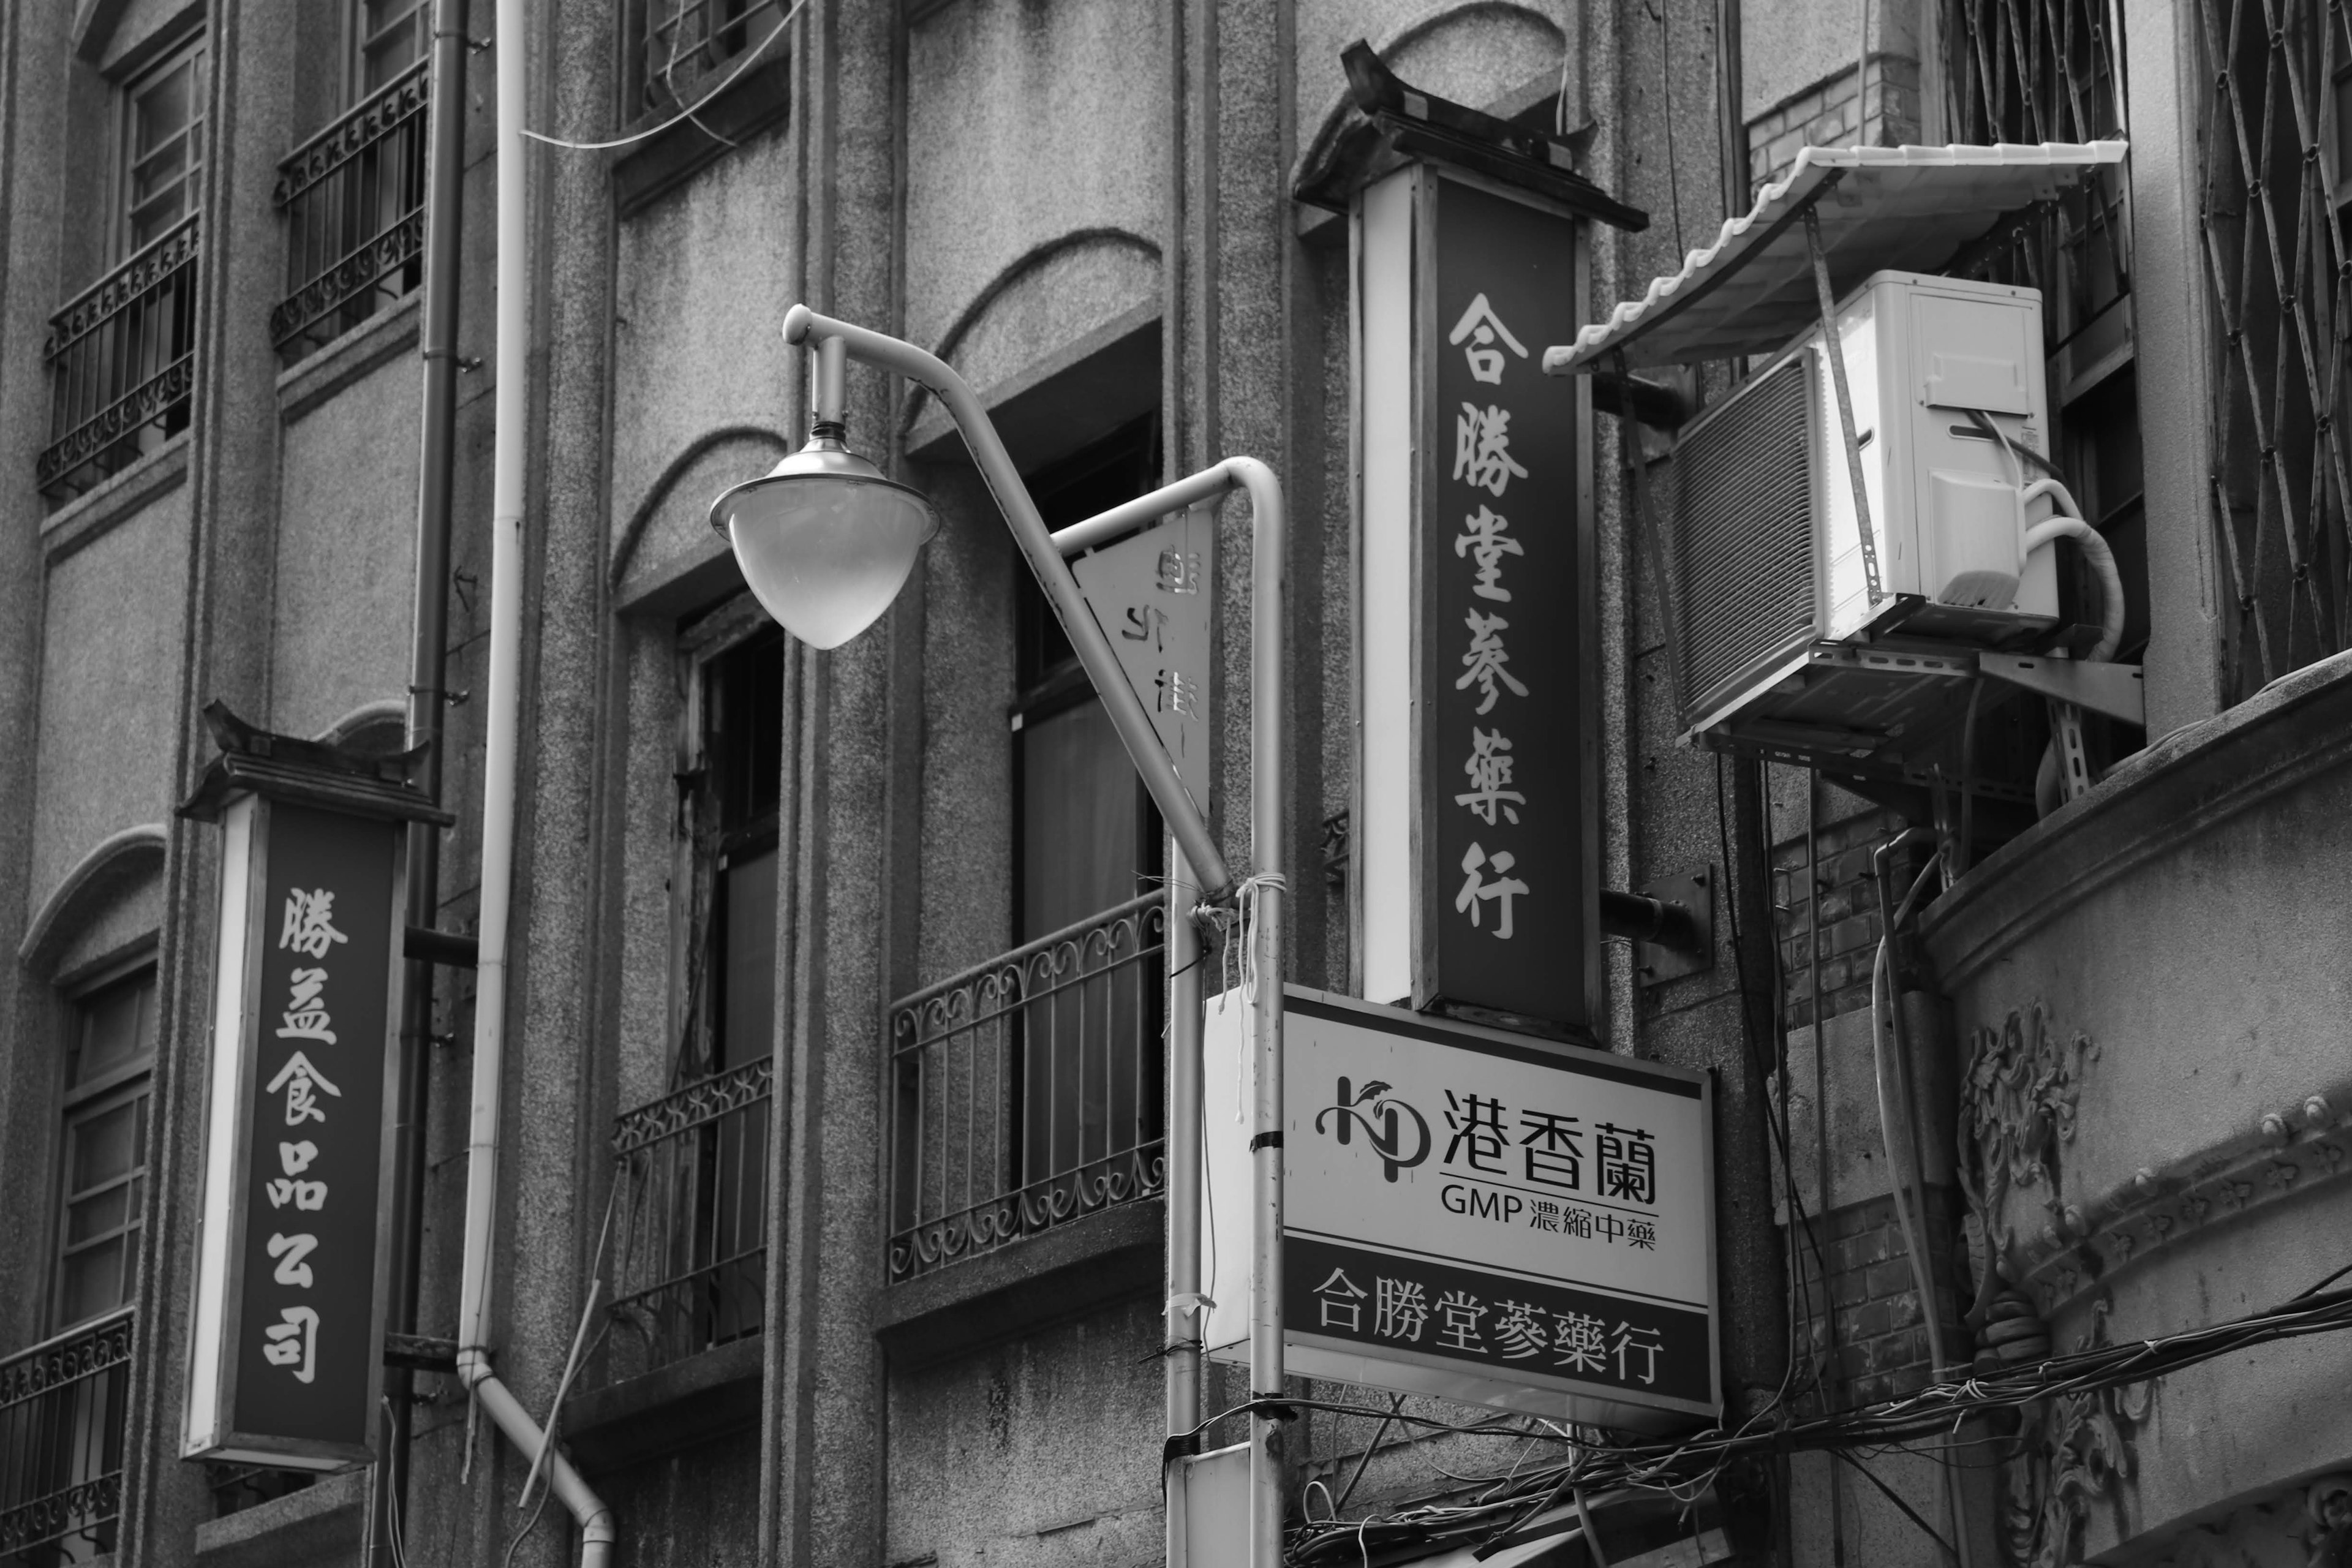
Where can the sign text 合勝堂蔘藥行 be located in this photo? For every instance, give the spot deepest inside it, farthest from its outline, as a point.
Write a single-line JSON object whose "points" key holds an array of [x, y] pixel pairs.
{"points": [[1478, 1215]]}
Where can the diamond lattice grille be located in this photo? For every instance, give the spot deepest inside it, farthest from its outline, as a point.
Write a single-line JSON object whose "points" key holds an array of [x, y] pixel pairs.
{"points": [[2270, 134]]}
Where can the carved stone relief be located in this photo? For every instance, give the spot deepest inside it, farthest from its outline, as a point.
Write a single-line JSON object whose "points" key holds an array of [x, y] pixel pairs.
{"points": [[2018, 1094], [2302, 1527], [2018, 1102], [2072, 1450]]}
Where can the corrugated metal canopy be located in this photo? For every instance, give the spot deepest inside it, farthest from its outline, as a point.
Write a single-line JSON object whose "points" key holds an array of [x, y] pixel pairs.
{"points": [[1904, 209]]}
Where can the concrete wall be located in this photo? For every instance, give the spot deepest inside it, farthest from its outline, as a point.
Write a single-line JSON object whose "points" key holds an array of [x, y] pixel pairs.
{"points": [[2148, 990], [108, 684], [346, 545]]}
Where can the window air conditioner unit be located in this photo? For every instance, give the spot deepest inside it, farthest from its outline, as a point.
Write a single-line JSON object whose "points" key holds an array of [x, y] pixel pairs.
{"points": [[1781, 650]]}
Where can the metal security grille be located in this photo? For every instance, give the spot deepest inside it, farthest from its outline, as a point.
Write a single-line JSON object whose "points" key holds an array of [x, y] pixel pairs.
{"points": [[354, 196], [2271, 134], [1027, 1090], [1745, 528], [685, 47], [121, 357], [61, 1417], [2045, 70], [691, 1218]]}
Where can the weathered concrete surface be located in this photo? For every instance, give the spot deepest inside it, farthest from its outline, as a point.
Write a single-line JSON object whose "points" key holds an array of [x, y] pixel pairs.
{"points": [[2165, 955], [108, 684], [1028, 125], [346, 553], [1027, 1452]]}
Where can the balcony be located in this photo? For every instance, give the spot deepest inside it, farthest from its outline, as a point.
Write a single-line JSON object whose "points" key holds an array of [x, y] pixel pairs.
{"points": [[691, 1221], [122, 359], [354, 196], [1027, 1092], [61, 1419]]}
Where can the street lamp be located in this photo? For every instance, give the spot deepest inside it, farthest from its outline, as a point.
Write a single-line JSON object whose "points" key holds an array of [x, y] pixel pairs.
{"points": [[825, 543]]}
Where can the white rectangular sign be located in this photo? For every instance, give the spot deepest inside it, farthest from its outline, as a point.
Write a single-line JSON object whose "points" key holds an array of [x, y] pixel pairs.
{"points": [[1468, 1212]]}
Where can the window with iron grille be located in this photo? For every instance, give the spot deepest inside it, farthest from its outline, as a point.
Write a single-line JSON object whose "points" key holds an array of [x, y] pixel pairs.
{"points": [[690, 1198], [121, 353], [2272, 139], [63, 1401], [354, 194], [680, 49], [1028, 1091], [2047, 70]]}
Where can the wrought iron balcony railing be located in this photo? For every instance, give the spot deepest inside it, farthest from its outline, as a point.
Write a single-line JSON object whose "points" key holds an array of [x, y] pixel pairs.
{"points": [[354, 196], [1027, 1092], [122, 359], [61, 1416], [690, 1220]]}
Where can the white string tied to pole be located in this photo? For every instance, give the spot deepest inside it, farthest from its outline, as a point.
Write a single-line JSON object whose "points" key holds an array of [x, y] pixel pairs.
{"points": [[1247, 898]]}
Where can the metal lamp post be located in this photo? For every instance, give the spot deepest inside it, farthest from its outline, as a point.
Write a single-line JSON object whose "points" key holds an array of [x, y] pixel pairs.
{"points": [[825, 543]]}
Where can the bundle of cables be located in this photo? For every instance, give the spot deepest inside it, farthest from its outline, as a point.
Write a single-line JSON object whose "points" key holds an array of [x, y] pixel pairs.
{"points": [[1477, 1511]]}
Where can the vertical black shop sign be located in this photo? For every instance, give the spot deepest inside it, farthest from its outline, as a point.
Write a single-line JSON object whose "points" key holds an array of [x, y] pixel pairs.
{"points": [[1506, 779], [288, 1326]]}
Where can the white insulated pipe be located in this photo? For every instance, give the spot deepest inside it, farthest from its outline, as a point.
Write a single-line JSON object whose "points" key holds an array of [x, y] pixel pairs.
{"points": [[1261, 895], [501, 740]]}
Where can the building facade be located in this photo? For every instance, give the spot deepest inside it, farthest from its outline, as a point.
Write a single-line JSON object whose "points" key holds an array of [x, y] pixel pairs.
{"points": [[835, 1111]]}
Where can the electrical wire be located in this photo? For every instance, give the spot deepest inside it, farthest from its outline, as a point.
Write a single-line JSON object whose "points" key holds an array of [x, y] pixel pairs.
{"points": [[1679, 1469], [749, 60]]}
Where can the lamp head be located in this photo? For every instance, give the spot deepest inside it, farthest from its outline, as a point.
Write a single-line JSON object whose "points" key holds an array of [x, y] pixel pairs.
{"points": [[825, 541]]}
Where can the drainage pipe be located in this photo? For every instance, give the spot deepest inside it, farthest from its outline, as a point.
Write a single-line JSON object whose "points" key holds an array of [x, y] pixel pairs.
{"points": [[428, 673], [500, 739]]}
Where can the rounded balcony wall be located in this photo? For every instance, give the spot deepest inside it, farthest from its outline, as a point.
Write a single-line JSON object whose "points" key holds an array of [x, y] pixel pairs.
{"points": [[2152, 995]]}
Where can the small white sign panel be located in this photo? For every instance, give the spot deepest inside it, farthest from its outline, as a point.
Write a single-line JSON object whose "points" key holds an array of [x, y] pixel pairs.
{"points": [[1150, 593], [1474, 1213]]}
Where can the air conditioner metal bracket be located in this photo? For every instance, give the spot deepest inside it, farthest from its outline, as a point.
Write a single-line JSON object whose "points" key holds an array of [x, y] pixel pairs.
{"points": [[2114, 689]]}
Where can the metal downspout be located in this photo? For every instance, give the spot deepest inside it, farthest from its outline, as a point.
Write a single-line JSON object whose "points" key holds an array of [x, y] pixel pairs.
{"points": [[500, 739], [428, 673]]}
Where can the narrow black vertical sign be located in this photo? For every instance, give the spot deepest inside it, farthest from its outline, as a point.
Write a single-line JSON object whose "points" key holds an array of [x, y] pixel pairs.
{"points": [[304, 1346], [1503, 842]]}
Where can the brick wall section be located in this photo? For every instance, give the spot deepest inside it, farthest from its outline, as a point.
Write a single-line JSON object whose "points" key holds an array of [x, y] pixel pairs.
{"points": [[1823, 115], [1847, 906], [1874, 1340]]}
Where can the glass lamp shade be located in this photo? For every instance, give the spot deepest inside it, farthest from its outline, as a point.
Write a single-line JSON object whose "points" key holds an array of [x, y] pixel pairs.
{"points": [[825, 541]]}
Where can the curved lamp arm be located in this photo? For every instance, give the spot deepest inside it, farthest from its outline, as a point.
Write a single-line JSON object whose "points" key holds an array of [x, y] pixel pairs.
{"points": [[1044, 552]]}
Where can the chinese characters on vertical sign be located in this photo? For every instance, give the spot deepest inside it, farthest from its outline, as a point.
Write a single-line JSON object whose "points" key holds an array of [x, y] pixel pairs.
{"points": [[297, 1356], [1503, 807], [316, 1129], [308, 930], [1151, 594]]}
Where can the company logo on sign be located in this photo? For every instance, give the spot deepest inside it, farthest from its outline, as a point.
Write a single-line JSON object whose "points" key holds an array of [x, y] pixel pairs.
{"points": [[1384, 1135]]}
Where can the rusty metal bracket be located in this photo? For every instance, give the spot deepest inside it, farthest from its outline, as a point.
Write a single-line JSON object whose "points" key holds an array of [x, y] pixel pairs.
{"points": [[2114, 689], [1670, 922]]}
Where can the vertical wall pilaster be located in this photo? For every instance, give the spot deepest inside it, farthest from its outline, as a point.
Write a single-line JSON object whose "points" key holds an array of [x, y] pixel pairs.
{"points": [[2176, 377]]}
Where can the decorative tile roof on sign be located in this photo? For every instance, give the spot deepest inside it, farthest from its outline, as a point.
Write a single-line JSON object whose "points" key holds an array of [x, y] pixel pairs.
{"points": [[1905, 209]]}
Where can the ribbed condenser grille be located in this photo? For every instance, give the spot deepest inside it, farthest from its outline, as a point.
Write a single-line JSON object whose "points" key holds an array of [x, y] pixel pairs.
{"points": [[1746, 534]]}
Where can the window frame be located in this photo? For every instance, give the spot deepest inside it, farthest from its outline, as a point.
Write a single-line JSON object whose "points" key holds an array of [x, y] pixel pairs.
{"points": [[189, 53], [695, 1021], [1047, 687], [124, 1083], [415, 13]]}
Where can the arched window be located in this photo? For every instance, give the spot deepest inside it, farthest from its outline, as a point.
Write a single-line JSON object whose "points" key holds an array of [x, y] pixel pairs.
{"points": [[102, 1181]]}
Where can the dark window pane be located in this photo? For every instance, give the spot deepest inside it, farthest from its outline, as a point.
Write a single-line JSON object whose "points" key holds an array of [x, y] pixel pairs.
{"points": [[105, 1148], [743, 702], [748, 1024], [94, 1281], [116, 1025], [1081, 827], [99, 1216]]}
